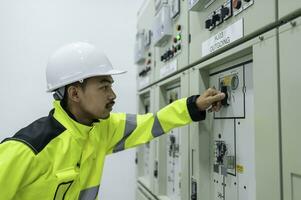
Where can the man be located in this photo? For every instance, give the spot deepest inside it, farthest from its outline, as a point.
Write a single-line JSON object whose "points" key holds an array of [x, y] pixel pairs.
{"points": [[61, 156]]}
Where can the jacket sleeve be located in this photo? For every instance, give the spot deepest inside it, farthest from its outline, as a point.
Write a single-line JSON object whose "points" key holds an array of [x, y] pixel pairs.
{"points": [[15, 158], [128, 130]]}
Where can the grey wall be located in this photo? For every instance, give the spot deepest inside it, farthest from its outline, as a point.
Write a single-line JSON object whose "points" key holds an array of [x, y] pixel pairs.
{"points": [[31, 30]]}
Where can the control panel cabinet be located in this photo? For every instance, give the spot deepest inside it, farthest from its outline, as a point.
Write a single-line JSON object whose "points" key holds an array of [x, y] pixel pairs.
{"points": [[289, 45], [232, 141], [215, 24], [172, 151], [235, 153], [145, 153], [144, 46], [171, 37]]}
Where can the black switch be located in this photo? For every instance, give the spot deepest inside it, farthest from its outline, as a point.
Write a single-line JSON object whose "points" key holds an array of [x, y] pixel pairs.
{"points": [[216, 18], [225, 91], [172, 139], [156, 169], [225, 12], [165, 56], [193, 190], [170, 53], [208, 23]]}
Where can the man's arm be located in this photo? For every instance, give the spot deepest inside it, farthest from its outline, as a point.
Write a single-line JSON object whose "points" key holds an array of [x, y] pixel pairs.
{"points": [[15, 158], [132, 130]]}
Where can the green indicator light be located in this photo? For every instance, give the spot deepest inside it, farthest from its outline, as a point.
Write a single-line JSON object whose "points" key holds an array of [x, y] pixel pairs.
{"points": [[178, 37]]}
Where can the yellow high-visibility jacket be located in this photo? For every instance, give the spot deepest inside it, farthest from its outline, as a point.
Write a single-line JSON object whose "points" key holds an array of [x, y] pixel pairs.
{"points": [[58, 158]]}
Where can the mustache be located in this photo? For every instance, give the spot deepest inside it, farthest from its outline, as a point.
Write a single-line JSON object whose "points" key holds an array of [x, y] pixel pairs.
{"points": [[110, 104]]}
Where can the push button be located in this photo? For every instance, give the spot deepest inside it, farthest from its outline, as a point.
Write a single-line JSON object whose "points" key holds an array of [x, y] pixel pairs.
{"points": [[216, 18], [208, 23], [225, 12], [224, 90]]}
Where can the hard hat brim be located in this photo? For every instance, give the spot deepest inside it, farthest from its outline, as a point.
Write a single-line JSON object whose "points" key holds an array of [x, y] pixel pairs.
{"points": [[108, 73]]}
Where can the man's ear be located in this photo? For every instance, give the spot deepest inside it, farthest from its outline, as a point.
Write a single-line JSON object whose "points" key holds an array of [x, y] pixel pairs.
{"points": [[73, 93]]}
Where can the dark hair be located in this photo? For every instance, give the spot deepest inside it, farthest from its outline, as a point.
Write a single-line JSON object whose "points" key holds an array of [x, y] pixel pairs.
{"points": [[64, 101]]}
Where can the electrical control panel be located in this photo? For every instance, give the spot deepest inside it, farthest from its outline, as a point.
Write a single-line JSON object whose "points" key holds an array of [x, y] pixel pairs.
{"points": [[173, 151], [145, 153], [232, 144], [215, 24], [171, 51], [162, 26], [228, 151], [173, 147], [289, 44], [246, 49], [232, 84], [145, 46]]}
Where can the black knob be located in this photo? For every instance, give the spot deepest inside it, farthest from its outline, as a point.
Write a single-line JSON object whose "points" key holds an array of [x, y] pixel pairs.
{"points": [[170, 53], [225, 11], [216, 18], [172, 139], [156, 169], [156, 173], [224, 102], [165, 56], [208, 23], [193, 197]]}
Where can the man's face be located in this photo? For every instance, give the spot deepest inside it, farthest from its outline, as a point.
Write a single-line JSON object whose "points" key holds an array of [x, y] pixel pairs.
{"points": [[97, 99]]}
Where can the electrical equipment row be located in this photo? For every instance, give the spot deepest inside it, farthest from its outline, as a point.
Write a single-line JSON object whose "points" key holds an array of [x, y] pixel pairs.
{"points": [[247, 150]]}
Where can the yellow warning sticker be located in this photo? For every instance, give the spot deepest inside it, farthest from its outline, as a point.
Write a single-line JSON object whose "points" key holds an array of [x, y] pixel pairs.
{"points": [[240, 169], [227, 80]]}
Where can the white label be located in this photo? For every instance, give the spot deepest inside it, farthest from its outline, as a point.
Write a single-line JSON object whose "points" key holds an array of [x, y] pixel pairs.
{"points": [[144, 81], [169, 68], [223, 38]]}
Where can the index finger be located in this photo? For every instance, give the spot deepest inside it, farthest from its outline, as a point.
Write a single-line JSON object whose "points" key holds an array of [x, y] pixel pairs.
{"points": [[216, 98], [211, 92]]}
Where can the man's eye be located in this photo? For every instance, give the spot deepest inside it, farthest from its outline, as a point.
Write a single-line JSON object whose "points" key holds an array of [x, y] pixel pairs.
{"points": [[105, 87]]}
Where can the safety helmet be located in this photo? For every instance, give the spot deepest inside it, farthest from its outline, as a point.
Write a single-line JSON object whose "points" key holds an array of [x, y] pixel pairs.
{"points": [[76, 62]]}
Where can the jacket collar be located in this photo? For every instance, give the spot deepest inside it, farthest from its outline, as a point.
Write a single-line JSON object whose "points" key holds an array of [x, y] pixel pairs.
{"points": [[79, 130]]}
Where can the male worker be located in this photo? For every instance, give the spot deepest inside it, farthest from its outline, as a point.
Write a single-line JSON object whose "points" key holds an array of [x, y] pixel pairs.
{"points": [[61, 156]]}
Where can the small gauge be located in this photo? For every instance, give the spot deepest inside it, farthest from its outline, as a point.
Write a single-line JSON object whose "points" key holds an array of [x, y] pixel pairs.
{"points": [[234, 82]]}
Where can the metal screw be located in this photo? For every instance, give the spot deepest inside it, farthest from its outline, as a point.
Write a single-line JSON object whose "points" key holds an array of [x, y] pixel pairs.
{"points": [[293, 23], [261, 38]]}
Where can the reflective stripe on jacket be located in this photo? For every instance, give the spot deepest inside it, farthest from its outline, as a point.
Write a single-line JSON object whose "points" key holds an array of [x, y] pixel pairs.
{"points": [[57, 158]]}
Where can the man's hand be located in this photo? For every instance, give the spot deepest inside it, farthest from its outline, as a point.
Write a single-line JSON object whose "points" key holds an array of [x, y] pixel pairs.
{"points": [[211, 97]]}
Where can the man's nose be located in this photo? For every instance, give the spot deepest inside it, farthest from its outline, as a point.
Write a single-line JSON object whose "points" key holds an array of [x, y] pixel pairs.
{"points": [[112, 95]]}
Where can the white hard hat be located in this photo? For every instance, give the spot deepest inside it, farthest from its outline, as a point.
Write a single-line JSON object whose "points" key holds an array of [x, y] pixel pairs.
{"points": [[75, 62]]}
